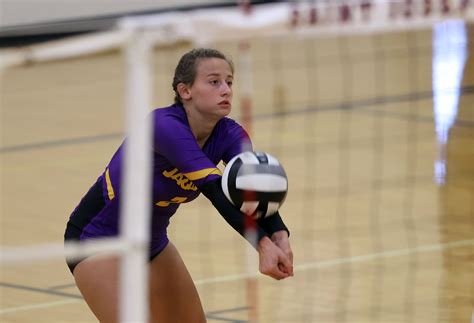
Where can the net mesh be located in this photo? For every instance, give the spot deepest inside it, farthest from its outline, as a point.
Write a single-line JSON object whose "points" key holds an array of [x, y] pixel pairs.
{"points": [[373, 123]]}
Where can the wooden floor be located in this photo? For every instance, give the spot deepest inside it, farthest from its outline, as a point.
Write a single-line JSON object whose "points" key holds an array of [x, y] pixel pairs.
{"points": [[377, 236]]}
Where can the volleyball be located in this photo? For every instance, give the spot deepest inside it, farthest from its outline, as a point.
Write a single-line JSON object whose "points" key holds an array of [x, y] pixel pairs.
{"points": [[256, 183]]}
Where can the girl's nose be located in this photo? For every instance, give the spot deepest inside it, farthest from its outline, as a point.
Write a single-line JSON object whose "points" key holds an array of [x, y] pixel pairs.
{"points": [[225, 89]]}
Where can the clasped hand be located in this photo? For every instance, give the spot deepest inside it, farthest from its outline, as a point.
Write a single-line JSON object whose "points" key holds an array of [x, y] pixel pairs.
{"points": [[275, 256]]}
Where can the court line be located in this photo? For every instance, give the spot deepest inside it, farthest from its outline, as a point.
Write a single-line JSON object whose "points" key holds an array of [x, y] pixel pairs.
{"points": [[39, 290], [341, 261], [216, 315], [302, 267], [39, 306], [229, 310], [359, 104], [224, 319], [61, 142], [63, 286], [351, 105], [387, 254]]}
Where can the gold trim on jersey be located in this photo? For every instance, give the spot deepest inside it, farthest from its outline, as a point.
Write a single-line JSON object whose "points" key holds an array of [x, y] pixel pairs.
{"points": [[202, 173], [110, 189], [185, 181]]}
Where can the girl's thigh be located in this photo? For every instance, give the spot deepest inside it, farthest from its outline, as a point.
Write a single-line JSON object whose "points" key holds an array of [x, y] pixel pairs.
{"points": [[173, 295], [97, 279]]}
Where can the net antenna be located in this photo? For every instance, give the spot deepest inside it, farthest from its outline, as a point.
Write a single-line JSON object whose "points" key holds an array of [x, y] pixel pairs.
{"points": [[137, 36]]}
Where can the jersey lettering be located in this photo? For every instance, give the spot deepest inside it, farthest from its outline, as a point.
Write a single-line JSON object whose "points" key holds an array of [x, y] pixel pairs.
{"points": [[180, 179]]}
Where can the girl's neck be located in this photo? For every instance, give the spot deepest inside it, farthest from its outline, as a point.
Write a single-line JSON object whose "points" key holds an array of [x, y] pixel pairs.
{"points": [[201, 126]]}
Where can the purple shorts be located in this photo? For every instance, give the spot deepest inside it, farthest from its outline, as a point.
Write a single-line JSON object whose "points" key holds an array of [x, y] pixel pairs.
{"points": [[96, 217]]}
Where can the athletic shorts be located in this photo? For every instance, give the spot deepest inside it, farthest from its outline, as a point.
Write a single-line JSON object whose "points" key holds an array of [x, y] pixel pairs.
{"points": [[90, 206]]}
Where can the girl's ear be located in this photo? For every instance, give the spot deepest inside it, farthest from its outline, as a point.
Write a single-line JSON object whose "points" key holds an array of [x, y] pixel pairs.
{"points": [[184, 91]]}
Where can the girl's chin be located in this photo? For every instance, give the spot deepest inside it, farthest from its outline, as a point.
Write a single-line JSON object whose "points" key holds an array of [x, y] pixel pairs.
{"points": [[225, 110]]}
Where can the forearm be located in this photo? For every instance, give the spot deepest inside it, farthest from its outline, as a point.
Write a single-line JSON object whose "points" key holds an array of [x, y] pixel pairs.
{"points": [[272, 224], [236, 219]]}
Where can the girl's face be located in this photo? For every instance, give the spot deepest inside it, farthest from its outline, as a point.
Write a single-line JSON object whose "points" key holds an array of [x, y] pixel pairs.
{"points": [[211, 92]]}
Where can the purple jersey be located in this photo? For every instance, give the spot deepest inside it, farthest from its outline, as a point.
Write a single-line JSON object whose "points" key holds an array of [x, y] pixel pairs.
{"points": [[180, 167]]}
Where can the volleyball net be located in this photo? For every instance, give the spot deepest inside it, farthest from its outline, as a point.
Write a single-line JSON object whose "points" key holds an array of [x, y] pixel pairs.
{"points": [[367, 104]]}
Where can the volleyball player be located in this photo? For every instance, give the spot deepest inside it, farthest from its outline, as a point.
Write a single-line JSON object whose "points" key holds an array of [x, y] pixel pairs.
{"points": [[190, 138]]}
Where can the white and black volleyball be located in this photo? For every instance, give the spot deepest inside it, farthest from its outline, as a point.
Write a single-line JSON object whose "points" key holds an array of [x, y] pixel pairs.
{"points": [[256, 183]]}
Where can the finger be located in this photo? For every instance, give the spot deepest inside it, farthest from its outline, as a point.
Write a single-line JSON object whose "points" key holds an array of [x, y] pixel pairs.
{"points": [[276, 272], [287, 264], [289, 254], [285, 247], [285, 260], [279, 274], [282, 268], [286, 270]]}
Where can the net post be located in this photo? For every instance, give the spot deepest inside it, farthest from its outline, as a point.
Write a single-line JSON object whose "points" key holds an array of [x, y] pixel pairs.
{"points": [[135, 208]]}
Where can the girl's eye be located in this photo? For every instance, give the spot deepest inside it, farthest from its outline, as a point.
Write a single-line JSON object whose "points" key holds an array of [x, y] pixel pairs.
{"points": [[215, 82], [229, 83]]}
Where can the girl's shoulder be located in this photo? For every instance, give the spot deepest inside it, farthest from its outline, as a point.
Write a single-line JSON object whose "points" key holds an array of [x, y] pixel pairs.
{"points": [[169, 111], [229, 124], [230, 130], [170, 115]]}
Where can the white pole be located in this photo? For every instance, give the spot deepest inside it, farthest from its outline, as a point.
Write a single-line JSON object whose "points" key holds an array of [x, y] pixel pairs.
{"points": [[136, 178]]}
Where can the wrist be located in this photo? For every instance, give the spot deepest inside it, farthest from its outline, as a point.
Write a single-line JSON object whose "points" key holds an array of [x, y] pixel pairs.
{"points": [[264, 242], [282, 234]]}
